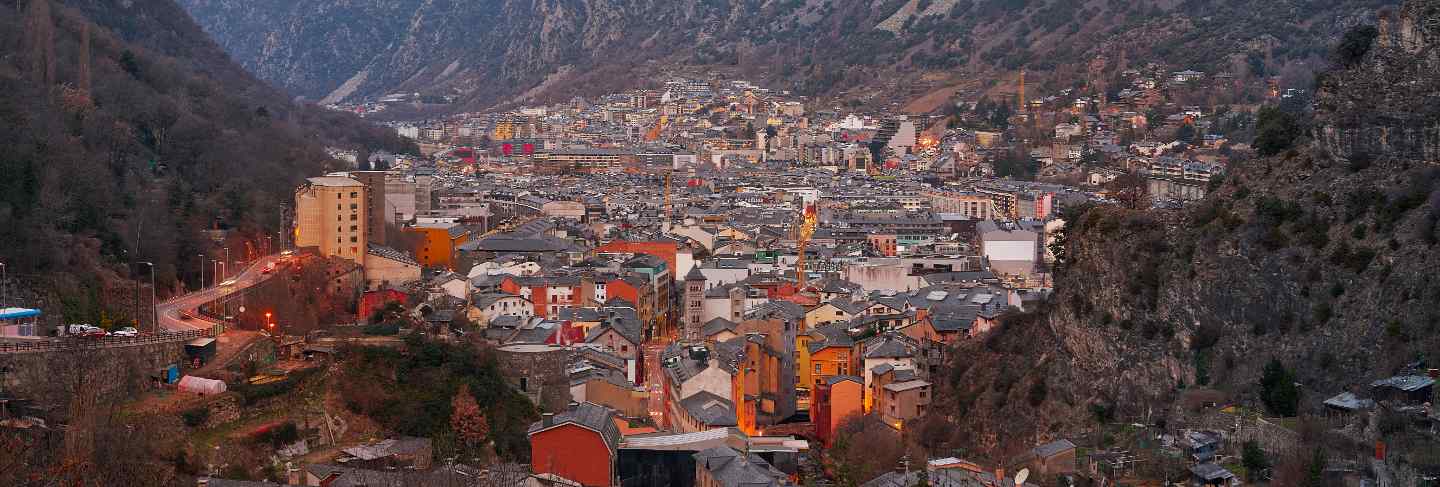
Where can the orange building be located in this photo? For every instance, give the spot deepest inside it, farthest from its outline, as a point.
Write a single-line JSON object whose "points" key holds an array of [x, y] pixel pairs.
{"points": [[437, 244], [578, 445], [836, 399], [758, 387]]}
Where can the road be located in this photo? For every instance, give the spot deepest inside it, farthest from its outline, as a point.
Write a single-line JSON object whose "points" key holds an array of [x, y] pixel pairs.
{"points": [[170, 311]]}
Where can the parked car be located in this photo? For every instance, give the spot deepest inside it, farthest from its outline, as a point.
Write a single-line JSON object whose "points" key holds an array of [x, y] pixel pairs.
{"points": [[128, 331], [84, 330]]}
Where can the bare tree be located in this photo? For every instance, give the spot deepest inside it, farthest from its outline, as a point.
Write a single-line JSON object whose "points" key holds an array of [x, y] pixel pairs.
{"points": [[40, 41]]}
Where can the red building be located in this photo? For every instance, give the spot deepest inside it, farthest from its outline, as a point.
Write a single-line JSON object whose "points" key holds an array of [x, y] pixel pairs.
{"points": [[549, 294], [375, 300], [578, 445]]}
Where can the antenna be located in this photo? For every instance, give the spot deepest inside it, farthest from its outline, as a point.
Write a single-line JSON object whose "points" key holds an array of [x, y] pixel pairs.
{"points": [[1020, 476]]}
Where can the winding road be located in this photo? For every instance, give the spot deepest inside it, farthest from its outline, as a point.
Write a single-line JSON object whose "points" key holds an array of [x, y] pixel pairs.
{"points": [[171, 312]]}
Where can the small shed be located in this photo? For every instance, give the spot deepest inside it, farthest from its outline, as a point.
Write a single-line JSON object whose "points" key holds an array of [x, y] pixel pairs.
{"points": [[201, 348], [201, 385]]}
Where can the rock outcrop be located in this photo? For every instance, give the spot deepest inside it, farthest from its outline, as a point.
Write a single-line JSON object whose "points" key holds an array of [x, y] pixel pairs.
{"points": [[1325, 263]]}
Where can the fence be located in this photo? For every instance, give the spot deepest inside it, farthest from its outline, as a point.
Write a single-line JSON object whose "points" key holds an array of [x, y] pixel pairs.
{"points": [[76, 343]]}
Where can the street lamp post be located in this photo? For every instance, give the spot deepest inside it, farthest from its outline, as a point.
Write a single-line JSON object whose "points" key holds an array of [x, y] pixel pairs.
{"points": [[154, 314], [224, 265], [202, 271], [4, 286]]}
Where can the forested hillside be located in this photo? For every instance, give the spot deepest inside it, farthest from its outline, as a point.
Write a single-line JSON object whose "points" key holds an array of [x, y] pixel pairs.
{"points": [[493, 50], [125, 132]]}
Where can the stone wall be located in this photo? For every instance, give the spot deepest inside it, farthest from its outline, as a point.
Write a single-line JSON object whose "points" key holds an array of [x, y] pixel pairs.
{"points": [[538, 371]]}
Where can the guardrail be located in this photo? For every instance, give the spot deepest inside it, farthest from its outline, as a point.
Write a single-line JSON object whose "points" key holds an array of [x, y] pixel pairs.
{"points": [[75, 343]]}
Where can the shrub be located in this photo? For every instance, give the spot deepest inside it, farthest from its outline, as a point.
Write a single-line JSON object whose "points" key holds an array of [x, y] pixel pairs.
{"points": [[1275, 131], [279, 435], [1278, 390], [1355, 45], [195, 417], [1038, 392]]}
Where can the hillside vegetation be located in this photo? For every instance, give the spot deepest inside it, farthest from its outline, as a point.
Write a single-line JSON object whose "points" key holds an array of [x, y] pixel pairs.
{"points": [[124, 133], [1303, 266]]}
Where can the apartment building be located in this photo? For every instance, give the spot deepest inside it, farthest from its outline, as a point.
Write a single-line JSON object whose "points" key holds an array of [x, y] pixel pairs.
{"points": [[331, 216]]}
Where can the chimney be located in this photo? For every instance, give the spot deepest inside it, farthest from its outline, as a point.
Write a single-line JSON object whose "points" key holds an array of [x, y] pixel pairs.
{"points": [[548, 420]]}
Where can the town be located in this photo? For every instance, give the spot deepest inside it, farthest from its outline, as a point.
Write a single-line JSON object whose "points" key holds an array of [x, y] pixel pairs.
{"points": [[710, 283]]}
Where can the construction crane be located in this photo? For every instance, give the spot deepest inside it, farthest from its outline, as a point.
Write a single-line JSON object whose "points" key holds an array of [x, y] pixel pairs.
{"points": [[654, 133], [806, 229]]}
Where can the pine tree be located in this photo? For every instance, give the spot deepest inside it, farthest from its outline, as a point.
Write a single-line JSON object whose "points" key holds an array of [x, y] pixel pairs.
{"points": [[467, 420]]}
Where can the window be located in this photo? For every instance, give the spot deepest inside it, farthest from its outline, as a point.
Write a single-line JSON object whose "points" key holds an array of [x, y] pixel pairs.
{"points": [[817, 367], [354, 228], [624, 348], [353, 240], [354, 195], [353, 217], [524, 384]]}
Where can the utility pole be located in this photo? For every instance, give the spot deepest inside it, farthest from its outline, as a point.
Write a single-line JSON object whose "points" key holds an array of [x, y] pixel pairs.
{"points": [[154, 315]]}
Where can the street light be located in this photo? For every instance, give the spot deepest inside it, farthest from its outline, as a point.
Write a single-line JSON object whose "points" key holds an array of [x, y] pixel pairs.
{"points": [[4, 287], [154, 314], [202, 270], [223, 269]]}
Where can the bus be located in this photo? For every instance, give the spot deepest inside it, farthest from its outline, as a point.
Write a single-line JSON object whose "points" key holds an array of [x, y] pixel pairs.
{"points": [[19, 322]]}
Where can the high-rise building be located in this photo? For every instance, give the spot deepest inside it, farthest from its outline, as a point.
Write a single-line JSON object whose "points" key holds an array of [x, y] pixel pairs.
{"points": [[375, 204], [331, 216]]}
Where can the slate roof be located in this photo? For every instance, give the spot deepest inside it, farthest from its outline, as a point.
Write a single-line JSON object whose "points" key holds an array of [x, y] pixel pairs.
{"points": [[1407, 383], [1349, 401], [392, 254], [1211, 472], [730, 468], [888, 346], [623, 321], [826, 336], [718, 325], [906, 385], [782, 310], [709, 409], [948, 477], [954, 320], [836, 379], [1053, 448], [587, 415]]}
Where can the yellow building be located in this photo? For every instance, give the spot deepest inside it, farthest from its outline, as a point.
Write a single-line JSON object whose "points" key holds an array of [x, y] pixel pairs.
{"points": [[330, 216]]}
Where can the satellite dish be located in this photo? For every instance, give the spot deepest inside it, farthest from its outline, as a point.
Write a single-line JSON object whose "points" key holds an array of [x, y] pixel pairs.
{"points": [[1020, 476]]}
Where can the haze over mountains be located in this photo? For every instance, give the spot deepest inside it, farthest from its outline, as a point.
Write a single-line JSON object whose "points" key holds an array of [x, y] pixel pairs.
{"points": [[492, 50]]}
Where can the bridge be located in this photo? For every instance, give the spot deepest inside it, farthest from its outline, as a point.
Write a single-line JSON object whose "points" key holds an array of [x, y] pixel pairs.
{"points": [[177, 319]]}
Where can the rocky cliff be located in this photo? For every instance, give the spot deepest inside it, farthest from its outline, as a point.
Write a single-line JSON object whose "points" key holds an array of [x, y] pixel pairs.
{"points": [[492, 50], [1326, 262]]}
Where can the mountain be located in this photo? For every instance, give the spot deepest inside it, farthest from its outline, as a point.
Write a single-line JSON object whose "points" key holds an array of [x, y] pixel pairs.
{"points": [[491, 51], [125, 134], [1320, 256]]}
